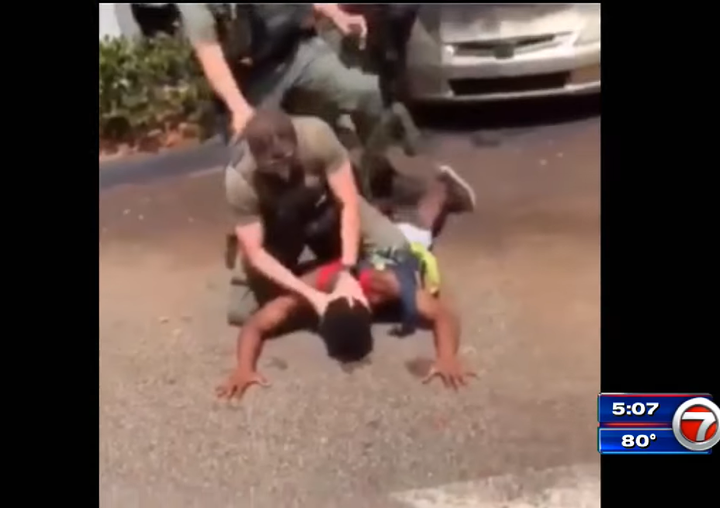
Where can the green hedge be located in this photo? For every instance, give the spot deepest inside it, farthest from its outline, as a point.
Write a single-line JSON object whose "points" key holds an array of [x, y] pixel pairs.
{"points": [[150, 84]]}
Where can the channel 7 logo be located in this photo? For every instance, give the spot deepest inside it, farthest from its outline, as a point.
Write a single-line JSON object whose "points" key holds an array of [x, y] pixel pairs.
{"points": [[695, 424]]}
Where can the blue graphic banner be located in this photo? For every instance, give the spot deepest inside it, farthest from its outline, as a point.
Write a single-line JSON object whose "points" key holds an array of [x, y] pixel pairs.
{"points": [[636, 441], [640, 409]]}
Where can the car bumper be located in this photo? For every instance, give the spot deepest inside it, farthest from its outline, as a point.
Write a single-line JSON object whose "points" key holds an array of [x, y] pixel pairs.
{"points": [[559, 71]]}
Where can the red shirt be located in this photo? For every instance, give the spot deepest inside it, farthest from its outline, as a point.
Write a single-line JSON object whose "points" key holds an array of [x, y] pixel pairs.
{"points": [[327, 273]]}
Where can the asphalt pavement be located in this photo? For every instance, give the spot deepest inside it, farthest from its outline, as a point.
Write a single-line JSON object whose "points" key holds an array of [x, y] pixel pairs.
{"points": [[524, 272]]}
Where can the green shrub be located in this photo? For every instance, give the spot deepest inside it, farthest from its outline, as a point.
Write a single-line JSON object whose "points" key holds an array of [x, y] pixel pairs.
{"points": [[147, 85]]}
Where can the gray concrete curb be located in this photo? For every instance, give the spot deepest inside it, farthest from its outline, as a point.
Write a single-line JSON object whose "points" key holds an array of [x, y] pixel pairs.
{"points": [[144, 168]]}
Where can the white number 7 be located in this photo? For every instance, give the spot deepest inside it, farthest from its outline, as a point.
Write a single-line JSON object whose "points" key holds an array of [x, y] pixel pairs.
{"points": [[653, 406], [707, 420]]}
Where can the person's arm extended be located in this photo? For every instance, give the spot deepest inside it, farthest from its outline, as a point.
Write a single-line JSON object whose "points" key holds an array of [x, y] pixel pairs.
{"points": [[445, 325], [341, 180], [268, 319], [250, 240], [199, 25], [250, 342], [342, 184]]}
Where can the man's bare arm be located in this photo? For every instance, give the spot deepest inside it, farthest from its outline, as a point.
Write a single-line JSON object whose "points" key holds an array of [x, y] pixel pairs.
{"points": [[250, 240], [250, 342], [268, 319], [446, 332], [342, 184], [445, 324], [199, 25], [341, 180]]}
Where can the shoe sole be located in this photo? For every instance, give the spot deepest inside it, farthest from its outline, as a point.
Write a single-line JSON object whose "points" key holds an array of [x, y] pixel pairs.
{"points": [[452, 174]]}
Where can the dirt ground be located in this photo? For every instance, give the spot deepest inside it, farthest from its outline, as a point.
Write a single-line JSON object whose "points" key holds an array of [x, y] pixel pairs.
{"points": [[523, 270]]}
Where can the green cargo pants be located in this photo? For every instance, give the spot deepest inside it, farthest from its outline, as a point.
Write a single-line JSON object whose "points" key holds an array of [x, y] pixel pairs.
{"points": [[316, 82]]}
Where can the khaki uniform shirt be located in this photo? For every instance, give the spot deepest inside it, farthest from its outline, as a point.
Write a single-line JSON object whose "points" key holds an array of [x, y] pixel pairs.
{"points": [[320, 154]]}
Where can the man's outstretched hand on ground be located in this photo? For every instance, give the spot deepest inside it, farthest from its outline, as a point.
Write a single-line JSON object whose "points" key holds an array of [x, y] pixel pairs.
{"points": [[238, 383], [450, 371]]}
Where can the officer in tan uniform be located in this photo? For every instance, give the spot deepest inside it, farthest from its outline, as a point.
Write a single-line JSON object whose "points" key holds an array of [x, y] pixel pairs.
{"points": [[285, 173], [282, 53], [271, 55]]}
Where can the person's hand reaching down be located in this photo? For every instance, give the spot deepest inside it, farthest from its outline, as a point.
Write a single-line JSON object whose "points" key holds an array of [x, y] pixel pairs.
{"points": [[351, 24], [240, 119]]}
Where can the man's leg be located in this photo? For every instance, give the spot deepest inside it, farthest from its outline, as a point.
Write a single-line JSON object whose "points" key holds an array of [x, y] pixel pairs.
{"points": [[316, 82], [445, 193], [349, 90], [335, 86], [337, 90], [425, 202], [448, 192], [389, 30]]}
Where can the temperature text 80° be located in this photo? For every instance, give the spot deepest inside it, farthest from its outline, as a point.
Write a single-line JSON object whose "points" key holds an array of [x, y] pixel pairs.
{"points": [[639, 441]]}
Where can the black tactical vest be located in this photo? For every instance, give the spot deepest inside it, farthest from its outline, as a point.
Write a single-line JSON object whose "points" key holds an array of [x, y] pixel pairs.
{"points": [[262, 32]]}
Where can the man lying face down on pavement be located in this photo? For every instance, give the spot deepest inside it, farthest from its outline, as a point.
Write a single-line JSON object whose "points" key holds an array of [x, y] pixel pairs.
{"points": [[406, 276]]}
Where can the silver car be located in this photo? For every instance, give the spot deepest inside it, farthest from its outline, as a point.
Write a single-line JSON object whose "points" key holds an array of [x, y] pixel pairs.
{"points": [[490, 52]]}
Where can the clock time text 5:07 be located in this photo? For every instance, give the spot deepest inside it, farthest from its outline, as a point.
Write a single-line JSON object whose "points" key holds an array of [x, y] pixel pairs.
{"points": [[637, 409]]}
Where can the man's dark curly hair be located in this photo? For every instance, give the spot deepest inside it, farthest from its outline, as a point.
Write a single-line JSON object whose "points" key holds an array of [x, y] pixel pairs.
{"points": [[346, 330]]}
